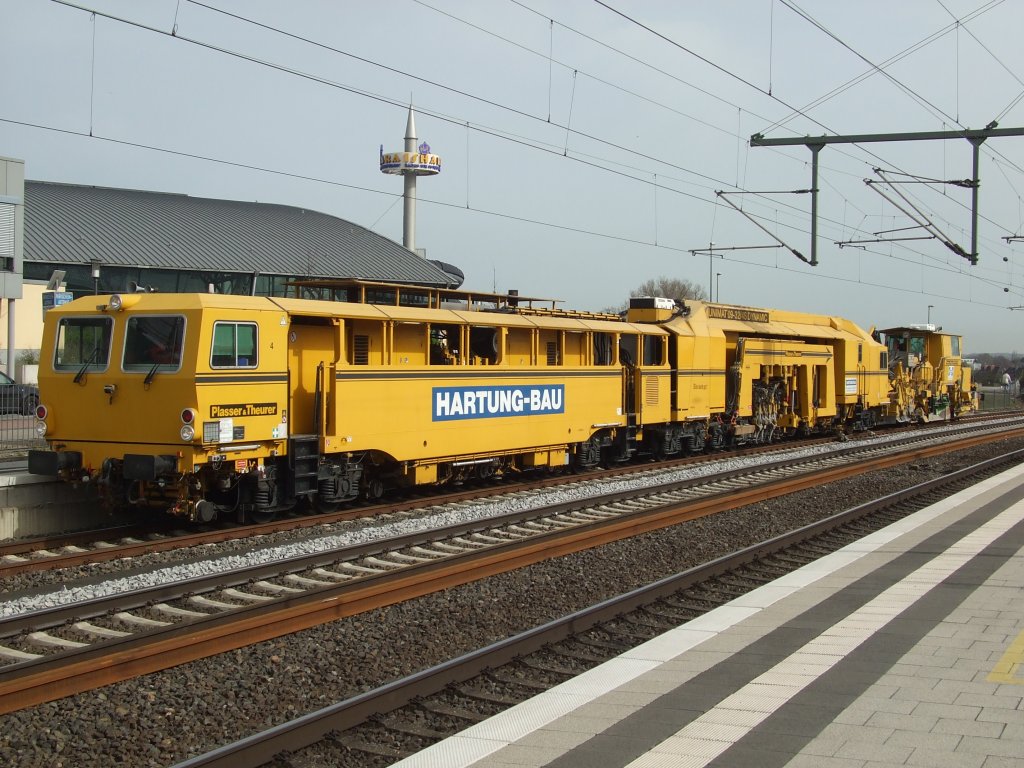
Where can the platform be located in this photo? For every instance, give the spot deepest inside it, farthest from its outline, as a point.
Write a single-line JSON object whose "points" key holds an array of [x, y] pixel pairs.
{"points": [[32, 505], [903, 649]]}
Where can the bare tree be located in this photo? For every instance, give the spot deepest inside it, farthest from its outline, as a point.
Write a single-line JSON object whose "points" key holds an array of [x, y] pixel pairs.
{"points": [[663, 287], [669, 288]]}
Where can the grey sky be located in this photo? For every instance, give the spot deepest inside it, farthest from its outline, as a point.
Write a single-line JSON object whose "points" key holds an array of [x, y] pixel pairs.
{"points": [[581, 152]]}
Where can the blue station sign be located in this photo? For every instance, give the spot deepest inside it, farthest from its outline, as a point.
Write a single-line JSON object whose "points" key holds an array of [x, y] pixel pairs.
{"points": [[53, 299]]}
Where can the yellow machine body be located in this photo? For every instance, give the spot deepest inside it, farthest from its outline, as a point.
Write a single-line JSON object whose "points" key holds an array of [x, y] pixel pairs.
{"points": [[767, 372], [211, 405], [265, 401]]}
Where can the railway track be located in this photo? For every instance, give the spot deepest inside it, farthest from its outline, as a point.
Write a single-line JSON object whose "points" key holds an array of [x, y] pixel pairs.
{"points": [[70, 648], [404, 716], [75, 549], [78, 549]]}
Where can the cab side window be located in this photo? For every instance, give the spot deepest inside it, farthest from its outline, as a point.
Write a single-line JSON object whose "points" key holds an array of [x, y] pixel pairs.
{"points": [[234, 345]]}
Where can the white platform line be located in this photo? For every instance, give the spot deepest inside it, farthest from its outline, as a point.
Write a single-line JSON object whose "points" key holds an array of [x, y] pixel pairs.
{"points": [[484, 739], [764, 696]]}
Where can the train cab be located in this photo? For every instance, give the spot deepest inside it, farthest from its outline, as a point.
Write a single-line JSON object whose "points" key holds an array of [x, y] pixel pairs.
{"points": [[929, 379]]}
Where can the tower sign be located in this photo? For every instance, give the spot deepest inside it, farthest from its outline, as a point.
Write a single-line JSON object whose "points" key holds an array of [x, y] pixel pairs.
{"points": [[412, 162]]}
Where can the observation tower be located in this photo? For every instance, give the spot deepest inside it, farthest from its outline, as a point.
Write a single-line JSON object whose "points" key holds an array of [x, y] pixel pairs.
{"points": [[414, 161]]}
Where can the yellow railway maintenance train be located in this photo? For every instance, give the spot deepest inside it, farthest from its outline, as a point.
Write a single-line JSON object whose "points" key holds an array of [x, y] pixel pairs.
{"points": [[209, 405]]}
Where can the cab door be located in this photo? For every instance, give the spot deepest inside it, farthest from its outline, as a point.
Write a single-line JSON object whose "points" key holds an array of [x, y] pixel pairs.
{"points": [[312, 346]]}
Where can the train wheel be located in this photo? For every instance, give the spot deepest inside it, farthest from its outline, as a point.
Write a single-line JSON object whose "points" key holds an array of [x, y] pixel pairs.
{"points": [[373, 489], [261, 515], [326, 507], [587, 455]]}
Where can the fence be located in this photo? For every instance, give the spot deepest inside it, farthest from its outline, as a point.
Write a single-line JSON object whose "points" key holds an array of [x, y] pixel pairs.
{"points": [[998, 399], [17, 435]]}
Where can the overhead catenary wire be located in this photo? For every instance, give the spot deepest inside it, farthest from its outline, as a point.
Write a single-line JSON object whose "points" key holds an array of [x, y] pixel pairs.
{"points": [[746, 82], [358, 91], [716, 182], [496, 214], [394, 102], [463, 123], [882, 70]]}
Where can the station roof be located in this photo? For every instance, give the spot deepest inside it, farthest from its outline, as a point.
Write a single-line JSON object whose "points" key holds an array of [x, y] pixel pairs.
{"points": [[71, 224]]}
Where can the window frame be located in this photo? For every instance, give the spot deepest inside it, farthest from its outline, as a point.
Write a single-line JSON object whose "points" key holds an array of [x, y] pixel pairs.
{"points": [[255, 344], [151, 366], [76, 367]]}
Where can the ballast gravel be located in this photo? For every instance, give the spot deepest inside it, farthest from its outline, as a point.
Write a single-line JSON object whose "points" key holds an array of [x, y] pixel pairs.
{"points": [[163, 718], [219, 558]]}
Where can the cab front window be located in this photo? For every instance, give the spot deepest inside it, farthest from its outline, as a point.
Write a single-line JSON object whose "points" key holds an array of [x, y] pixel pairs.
{"points": [[83, 342], [153, 342]]}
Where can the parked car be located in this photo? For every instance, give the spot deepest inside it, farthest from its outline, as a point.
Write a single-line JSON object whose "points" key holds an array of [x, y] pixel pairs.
{"points": [[17, 398]]}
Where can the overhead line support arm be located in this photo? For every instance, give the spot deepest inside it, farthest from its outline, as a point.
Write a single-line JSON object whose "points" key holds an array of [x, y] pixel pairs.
{"points": [[815, 144]]}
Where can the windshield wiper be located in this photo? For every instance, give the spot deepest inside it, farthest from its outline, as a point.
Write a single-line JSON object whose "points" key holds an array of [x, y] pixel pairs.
{"points": [[152, 374], [93, 357]]}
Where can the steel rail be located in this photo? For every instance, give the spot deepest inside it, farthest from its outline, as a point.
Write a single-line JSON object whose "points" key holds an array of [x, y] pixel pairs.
{"points": [[107, 553], [49, 678], [260, 748], [234, 532], [56, 616], [52, 617]]}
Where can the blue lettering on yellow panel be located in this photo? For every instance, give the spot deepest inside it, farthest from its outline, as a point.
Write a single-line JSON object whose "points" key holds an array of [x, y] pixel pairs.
{"points": [[449, 403]]}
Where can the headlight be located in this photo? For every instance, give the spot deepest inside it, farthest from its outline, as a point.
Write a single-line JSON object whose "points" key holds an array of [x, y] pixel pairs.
{"points": [[187, 433], [120, 302], [41, 428]]}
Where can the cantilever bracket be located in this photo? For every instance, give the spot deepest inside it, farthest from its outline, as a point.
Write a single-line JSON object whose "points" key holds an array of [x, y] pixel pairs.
{"points": [[815, 143], [759, 225]]}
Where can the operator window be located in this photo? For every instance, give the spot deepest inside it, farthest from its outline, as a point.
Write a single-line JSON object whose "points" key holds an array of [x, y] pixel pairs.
{"points": [[153, 342], [83, 343], [444, 345], [628, 343], [234, 345], [483, 344], [603, 345], [654, 350]]}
